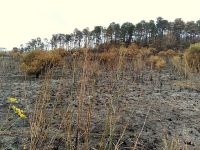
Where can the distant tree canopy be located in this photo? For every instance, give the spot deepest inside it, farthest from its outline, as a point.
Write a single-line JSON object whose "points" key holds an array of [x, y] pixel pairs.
{"points": [[161, 35]]}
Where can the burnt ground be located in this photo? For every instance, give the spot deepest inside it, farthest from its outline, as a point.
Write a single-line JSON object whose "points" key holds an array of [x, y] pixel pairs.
{"points": [[153, 106]]}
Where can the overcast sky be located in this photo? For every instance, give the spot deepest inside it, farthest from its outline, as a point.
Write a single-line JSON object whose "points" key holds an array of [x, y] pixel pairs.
{"points": [[23, 20]]}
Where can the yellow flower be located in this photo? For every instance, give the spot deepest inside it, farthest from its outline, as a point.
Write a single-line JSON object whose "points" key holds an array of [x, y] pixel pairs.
{"points": [[14, 108], [22, 115], [12, 100], [18, 111]]}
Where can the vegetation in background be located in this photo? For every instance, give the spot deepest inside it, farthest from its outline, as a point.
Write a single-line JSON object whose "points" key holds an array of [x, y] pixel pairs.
{"points": [[160, 34]]}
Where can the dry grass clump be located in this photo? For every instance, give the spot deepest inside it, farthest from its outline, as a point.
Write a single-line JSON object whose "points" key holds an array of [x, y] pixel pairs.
{"points": [[162, 54], [173, 143], [169, 53], [180, 66], [161, 63], [177, 62], [36, 60], [188, 84], [156, 61]]}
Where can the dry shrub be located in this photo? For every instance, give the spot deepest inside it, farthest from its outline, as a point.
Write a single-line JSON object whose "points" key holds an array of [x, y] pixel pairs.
{"points": [[194, 48], [36, 60], [192, 57], [188, 65]]}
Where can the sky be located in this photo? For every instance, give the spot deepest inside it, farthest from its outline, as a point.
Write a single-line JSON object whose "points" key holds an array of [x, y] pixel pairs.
{"points": [[23, 20]]}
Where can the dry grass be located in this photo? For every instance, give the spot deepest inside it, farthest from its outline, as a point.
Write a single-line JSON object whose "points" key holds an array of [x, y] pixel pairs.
{"points": [[183, 65], [68, 122], [172, 143], [192, 84], [160, 64]]}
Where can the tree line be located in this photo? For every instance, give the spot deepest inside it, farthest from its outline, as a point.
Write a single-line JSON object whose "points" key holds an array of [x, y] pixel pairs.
{"points": [[160, 34]]}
